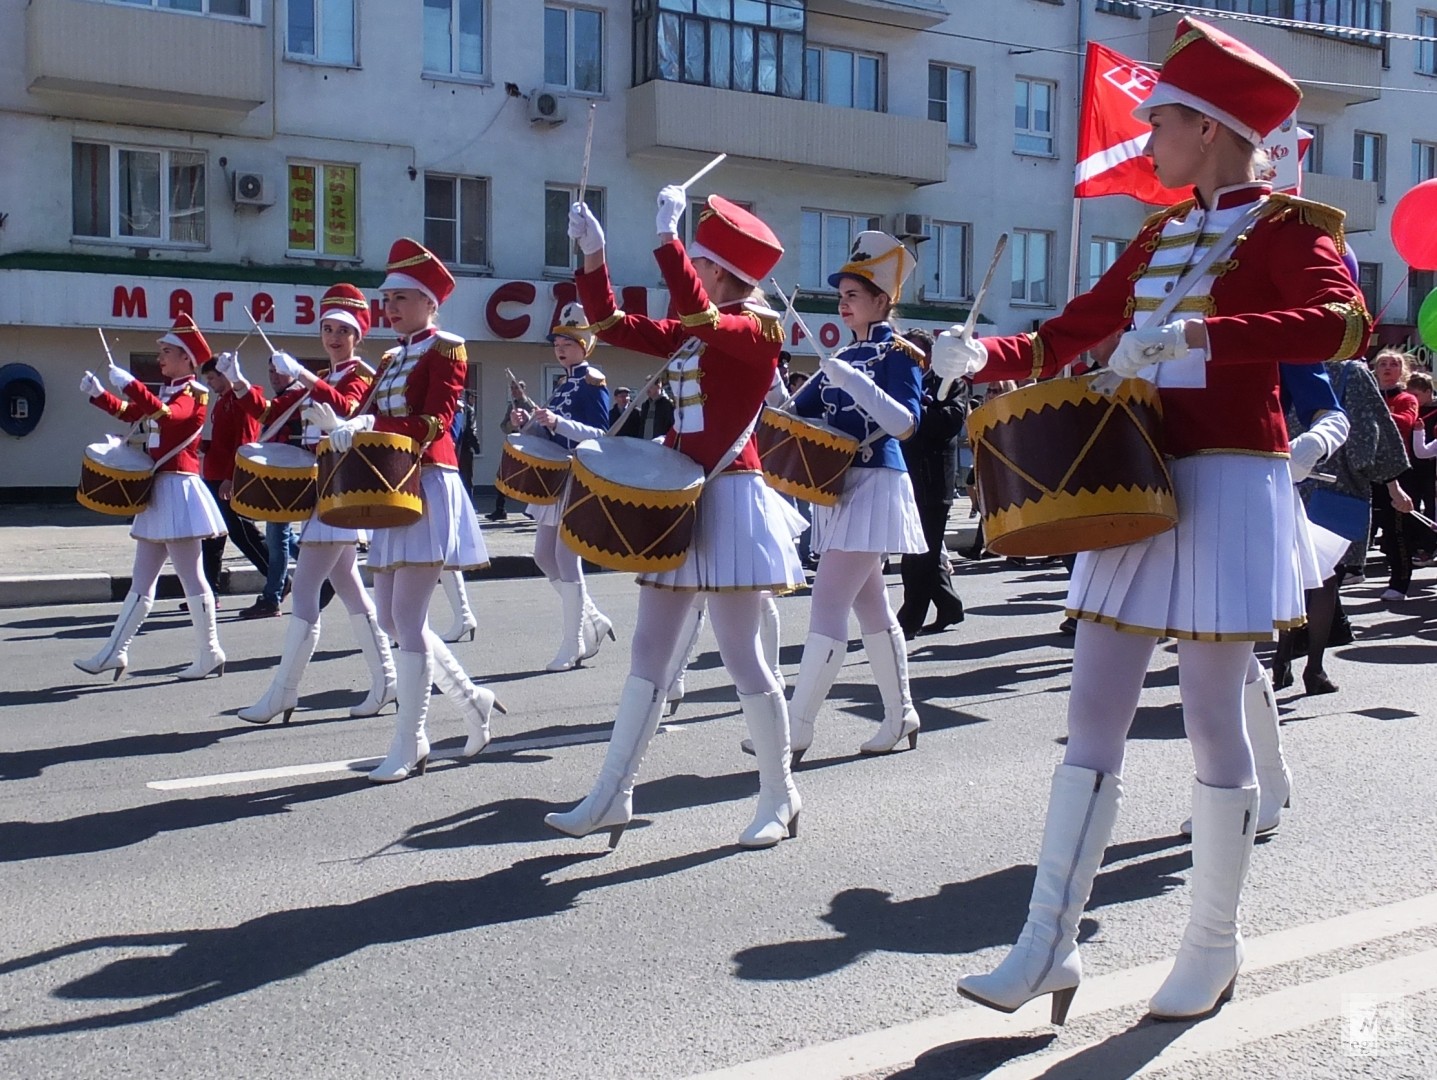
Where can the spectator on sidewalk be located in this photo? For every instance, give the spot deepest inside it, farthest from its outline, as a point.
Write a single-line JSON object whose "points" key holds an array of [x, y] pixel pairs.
{"points": [[518, 399], [1424, 470], [230, 427], [621, 402], [1391, 368], [654, 416]]}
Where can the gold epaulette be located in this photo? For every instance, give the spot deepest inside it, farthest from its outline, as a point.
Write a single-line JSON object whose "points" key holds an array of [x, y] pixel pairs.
{"points": [[200, 391], [1327, 218], [770, 322], [450, 346], [594, 377], [912, 351], [1160, 218], [364, 369]]}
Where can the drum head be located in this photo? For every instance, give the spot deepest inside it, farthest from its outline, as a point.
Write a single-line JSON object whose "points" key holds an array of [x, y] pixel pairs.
{"points": [[639, 463], [277, 455], [538, 446], [119, 456]]}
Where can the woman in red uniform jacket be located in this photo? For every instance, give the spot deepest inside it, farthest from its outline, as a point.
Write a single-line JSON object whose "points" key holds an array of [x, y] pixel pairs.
{"points": [[1229, 574], [416, 393], [181, 512]]}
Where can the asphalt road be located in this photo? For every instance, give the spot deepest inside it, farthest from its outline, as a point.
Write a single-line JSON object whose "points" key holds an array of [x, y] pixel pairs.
{"points": [[164, 917]]}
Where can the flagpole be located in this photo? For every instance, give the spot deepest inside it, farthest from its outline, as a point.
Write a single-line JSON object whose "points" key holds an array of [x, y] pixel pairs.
{"points": [[1073, 248]]}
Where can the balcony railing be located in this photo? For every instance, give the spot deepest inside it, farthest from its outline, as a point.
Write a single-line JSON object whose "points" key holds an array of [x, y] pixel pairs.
{"points": [[1338, 18]]}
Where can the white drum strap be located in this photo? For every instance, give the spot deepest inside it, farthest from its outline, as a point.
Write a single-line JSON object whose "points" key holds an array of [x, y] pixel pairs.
{"points": [[268, 433], [156, 466], [734, 450]]}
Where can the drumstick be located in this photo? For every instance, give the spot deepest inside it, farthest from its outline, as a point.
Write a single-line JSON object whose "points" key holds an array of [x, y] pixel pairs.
{"points": [[263, 336], [789, 311], [588, 146], [1424, 519], [696, 177], [106, 346], [634, 399], [968, 326]]}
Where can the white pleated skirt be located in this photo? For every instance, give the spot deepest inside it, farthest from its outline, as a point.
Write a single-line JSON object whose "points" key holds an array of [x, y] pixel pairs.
{"points": [[876, 512], [1232, 570], [743, 540], [317, 532], [180, 508], [446, 535]]}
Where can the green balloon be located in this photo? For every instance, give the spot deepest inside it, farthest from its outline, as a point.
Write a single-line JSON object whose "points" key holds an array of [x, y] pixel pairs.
{"points": [[1427, 320]]}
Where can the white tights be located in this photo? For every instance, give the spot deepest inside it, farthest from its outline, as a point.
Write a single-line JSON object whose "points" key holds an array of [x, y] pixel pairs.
{"points": [[339, 564], [734, 617], [1108, 670], [402, 598], [849, 581], [556, 559], [184, 555]]}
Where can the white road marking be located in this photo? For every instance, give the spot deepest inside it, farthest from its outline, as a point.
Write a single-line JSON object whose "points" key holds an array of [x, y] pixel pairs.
{"points": [[1131, 987]]}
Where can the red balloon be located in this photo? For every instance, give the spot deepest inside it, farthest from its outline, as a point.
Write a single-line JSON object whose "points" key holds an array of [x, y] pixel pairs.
{"points": [[1414, 226]]}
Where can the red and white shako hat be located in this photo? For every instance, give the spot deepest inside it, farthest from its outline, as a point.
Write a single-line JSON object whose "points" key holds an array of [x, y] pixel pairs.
{"points": [[1221, 77], [345, 304], [413, 266], [186, 335], [735, 239]]}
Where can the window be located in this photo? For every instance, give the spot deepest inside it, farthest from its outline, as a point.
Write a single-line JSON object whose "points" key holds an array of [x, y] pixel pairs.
{"points": [[1369, 280], [1312, 160], [1103, 251], [124, 192], [853, 80], [1427, 50], [945, 261], [574, 48], [323, 210], [1419, 284], [1367, 154], [321, 30], [1030, 267], [1118, 7], [750, 45], [234, 9], [825, 240], [1424, 161], [1033, 116], [560, 253], [456, 219], [950, 100], [454, 37]]}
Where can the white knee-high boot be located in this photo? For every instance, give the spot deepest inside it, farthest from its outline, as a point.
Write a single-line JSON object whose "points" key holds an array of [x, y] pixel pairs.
{"points": [[114, 655], [571, 633], [300, 638], [776, 817], [1208, 960], [374, 644], [475, 702], [610, 805], [768, 637], [464, 620], [822, 659], [1082, 808], [889, 661], [596, 625], [208, 655], [409, 748], [688, 635], [1274, 782]]}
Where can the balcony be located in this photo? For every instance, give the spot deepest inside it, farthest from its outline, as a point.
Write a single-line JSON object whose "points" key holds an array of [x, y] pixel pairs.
{"points": [[670, 116], [1357, 197], [116, 62], [910, 14], [1316, 60]]}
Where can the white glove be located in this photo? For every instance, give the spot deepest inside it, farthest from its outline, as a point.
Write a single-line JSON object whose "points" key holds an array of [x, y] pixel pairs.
{"points": [[320, 415], [119, 377], [673, 200], [1307, 450], [840, 373], [956, 355], [227, 364], [342, 436], [877, 404], [1138, 349], [585, 228], [286, 365], [91, 386]]}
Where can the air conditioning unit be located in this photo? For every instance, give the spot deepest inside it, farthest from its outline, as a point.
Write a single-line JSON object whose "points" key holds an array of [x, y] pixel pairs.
{"points": [[251, 189], [910, 227], [547, 107]]}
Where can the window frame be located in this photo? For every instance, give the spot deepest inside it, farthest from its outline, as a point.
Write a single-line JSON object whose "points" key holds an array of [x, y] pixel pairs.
{"points": [[571, 54], [321, 226], [1426, 50], [1031, 132], [880, 81], [1374, 270], [457, 261], [1379, 159], [255, 16], [1115, 244], [165, 155], [576, 257], [453, 73], [314, 57], [789, 32], [948, 71], [1022, 242], [938, 230], [1423, 148], [1317, 152], [857, 222]]}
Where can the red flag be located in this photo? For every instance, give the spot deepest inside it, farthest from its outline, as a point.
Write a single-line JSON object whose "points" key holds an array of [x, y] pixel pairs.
{"points": [[1110, 138]]}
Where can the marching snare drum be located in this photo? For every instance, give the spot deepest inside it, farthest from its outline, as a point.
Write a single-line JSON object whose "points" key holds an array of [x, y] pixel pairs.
{"points": [[115, 479], [802, 458], [533, 469], [632, 504], [1062, 468], [372, 485], [274, 482]]}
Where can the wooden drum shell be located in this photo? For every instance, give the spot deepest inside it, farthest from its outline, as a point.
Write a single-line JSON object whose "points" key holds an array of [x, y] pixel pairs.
{"points": [[532, 469], [279, 490], [801, 458], [372, 485], [115, 479]]}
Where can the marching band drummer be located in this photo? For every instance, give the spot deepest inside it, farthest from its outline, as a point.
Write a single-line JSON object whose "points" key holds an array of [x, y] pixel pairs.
{"points": [[581, 396], [418, 387], [1230, 573], [871, 389], [181, 512], [722, 350], [325, 551]]}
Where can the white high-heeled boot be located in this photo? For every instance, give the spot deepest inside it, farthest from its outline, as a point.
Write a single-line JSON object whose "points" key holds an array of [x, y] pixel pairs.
{"points": [[596, 625], [768, 637], [1082, 808], [209, 657], [778, 803], [474, 701], [1205, 972], [114, 655], [374, 644], [1274, 782], [889, 661], [300, 638], [409, 748], [688, 635], [822, 659], [571, 635], [464, 620], [610, 805]]}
